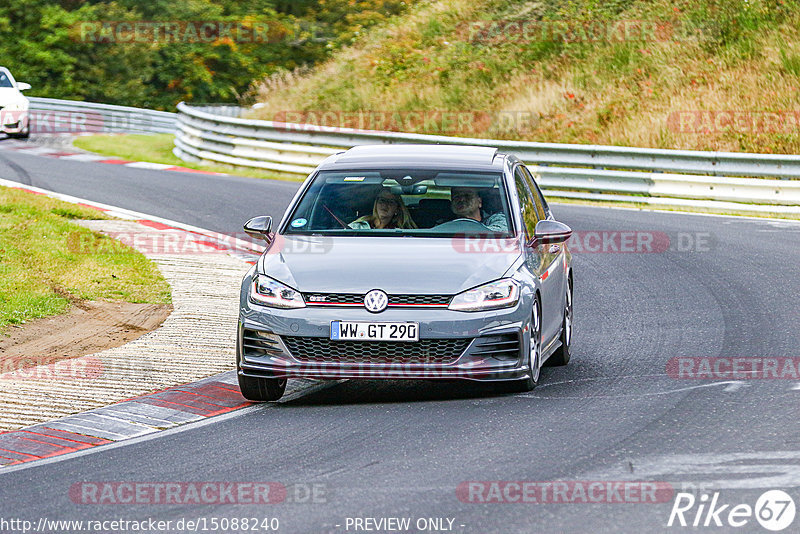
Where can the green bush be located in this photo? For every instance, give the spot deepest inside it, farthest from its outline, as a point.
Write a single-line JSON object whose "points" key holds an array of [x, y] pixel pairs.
{"points": [[52, 45]]}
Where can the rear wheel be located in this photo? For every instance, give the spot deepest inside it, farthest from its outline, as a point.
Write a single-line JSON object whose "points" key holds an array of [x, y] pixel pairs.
{"points": [[562, 354], [262, 389]]}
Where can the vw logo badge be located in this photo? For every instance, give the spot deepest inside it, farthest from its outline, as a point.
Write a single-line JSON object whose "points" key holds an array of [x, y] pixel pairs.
{"points": [[376, 301]]}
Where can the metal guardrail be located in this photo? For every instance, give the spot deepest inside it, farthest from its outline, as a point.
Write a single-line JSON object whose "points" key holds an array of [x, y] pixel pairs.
{"points": [[225, 110], [50, 115], [591, 172]]}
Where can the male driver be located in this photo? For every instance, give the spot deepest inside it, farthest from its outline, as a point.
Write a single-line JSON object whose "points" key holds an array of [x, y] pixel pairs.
{"points": [[467, 203]]}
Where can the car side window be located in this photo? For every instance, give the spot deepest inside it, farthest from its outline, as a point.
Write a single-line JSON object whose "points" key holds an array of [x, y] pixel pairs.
{"points": [[526, 202], [541, 205]]}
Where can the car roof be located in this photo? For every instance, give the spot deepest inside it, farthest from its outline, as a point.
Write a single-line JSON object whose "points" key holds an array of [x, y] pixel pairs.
{"points": [[477, 158]]}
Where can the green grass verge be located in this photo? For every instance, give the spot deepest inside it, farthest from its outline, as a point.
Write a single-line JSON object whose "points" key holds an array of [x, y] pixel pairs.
{"points": [[157, 148], [44, 263]]}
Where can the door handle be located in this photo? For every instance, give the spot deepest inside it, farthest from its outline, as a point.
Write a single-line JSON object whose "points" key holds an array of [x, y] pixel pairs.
{"points": [[555, 249]]}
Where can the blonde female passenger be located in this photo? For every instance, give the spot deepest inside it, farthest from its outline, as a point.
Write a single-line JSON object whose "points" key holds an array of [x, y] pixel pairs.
{"points": [[388, 212]]}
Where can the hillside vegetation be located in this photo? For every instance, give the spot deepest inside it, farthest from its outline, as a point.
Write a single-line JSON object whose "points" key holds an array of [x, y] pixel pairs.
{"points": [[694, 74]]}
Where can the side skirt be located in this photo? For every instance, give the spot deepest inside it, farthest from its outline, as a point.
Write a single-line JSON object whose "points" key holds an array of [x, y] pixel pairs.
{"points": [[554, 344]]}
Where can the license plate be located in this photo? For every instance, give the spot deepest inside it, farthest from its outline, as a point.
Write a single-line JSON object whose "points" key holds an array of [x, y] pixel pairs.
{"points": [[353, 330]]}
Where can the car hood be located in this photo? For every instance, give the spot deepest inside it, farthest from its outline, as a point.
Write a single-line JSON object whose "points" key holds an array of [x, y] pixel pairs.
{"points": [[397, 265], [9, 95]]}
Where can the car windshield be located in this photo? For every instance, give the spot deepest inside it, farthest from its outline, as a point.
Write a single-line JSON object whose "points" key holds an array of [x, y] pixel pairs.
{"points": [[424, 203], [5, 79]]}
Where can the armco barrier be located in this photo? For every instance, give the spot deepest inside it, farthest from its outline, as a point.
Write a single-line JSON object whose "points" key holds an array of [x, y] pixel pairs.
{"points": [[50, 115], [717, 180]]}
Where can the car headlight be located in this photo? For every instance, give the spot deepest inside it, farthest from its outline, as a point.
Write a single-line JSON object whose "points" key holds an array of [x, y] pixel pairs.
{"points": [[494, 295], [274, 294]]}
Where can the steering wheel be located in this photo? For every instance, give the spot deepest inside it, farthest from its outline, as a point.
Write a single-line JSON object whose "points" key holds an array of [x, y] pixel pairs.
{"points": [[459, 221]]}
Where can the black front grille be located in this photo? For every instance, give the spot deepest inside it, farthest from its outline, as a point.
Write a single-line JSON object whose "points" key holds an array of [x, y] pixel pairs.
{"points": [[320, 349], [418, 300], [333, 299], [255, 343], [499, 346]]}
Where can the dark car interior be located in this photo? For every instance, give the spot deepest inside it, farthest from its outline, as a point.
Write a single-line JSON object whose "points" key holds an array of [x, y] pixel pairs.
{"points": [[340, 200]]}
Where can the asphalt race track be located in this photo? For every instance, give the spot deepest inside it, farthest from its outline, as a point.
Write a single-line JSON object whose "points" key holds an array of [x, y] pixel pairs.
{"points": [[726, 288], [220, 203]]}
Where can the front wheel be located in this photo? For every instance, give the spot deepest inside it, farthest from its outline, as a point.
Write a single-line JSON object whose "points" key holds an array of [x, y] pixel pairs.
{"points": [[534, 350], [261, 389], [24, 134]]}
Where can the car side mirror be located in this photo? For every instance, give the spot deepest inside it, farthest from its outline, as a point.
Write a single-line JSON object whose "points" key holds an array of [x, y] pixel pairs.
{"points": [[22, 86], [549, 231], [259, 227]]}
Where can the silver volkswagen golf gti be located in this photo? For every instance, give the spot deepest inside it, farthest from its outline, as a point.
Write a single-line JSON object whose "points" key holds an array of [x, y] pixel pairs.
{"points": [[408, 262]]}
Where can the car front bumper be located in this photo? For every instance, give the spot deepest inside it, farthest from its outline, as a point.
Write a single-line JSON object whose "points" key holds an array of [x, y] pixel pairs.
{"points": [[490, 346], [14, 121]]}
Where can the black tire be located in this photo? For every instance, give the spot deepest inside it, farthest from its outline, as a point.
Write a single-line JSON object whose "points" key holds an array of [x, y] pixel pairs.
{"points": [[22, 135], [534, 353], [262, 389], [562, 354]]}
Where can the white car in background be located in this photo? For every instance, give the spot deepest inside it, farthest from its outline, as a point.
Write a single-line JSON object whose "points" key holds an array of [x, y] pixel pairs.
{"points": [[14, 120]]}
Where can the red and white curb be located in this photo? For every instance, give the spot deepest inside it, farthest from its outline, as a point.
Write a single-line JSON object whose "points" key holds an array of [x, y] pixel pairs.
{"points": [[52, 152], [136, 417], [147, 414]]}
